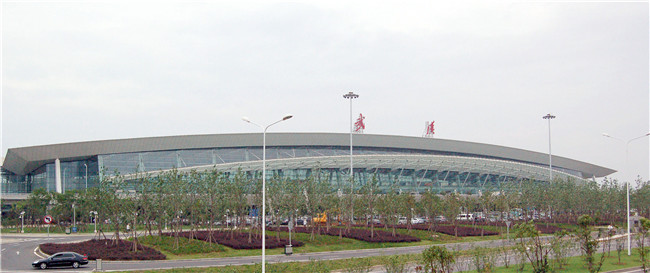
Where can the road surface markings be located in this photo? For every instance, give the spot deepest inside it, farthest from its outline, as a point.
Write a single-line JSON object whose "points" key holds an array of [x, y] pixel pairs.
{"points": [[36, 253]]}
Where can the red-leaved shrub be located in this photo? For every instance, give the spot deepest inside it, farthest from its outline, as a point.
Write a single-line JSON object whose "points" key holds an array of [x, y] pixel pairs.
{"points": [[106, 250], [238, 240]]}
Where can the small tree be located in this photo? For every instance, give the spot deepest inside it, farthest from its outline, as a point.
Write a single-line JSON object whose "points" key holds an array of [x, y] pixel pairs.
{"points": [[561, 249], [438, 259], [358, 265], [620, 245], [533, 247], [395, 264], [451, 208], [588, 243], [644, 232], [483, 259]]}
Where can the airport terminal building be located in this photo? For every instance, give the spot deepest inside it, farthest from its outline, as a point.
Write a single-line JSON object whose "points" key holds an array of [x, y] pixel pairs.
{"points": [[412, 164]]}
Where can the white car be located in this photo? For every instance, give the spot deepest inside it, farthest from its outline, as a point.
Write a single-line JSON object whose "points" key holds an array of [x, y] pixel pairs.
{"points": [[418, 220], [402, 221], [465, 217]]}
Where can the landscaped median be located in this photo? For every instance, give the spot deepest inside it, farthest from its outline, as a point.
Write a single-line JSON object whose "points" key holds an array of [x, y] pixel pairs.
{"points": [[232, 243], [106, 249]]}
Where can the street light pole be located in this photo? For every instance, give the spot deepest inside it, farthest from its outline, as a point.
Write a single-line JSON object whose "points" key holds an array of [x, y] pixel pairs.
{"points": [[627, 185], [264, 183], [94, 220], [351, 96], [550, 159], [74, 215], [22, 221]]}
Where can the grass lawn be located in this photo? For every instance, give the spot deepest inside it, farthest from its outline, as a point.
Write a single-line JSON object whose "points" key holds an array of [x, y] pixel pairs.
{"points": [[312, 266], [577, 264]]}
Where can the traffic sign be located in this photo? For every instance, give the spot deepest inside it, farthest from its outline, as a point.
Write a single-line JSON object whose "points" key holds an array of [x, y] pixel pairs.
{"points": [[48, 219]]}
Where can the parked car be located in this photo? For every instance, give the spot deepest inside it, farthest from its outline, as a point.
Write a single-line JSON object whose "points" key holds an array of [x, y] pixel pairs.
{"points": [[418, 220], [440, 218], [62, 259], [465, 217], [301, 222], [401, 221]]}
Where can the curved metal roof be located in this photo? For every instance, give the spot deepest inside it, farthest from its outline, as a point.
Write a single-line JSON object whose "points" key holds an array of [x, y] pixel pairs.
{"points": [[26, 159]]}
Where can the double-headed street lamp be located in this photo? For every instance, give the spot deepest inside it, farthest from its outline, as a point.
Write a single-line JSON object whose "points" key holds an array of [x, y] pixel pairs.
{"points": [[264, 183], [95, 219], [550, 159], [627, 149]]}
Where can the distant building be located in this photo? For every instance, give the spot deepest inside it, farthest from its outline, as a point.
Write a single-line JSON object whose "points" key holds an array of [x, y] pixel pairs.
{"points": [[412, 164]]}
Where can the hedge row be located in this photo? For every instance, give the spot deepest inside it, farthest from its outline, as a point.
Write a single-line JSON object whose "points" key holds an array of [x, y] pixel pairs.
{"points": [[378, 236], [238, 240]]}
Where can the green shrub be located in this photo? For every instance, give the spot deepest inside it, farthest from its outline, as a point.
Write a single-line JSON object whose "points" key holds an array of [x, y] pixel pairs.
{"points": [[438, 259], [395, 264]]}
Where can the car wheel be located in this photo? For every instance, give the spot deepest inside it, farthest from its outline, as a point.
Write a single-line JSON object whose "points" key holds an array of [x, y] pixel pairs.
{"points": [[75, 265], [43, 266]]}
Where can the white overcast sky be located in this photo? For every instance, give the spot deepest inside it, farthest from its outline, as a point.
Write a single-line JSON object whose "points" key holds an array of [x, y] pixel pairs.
{"points": [[76, 71]]}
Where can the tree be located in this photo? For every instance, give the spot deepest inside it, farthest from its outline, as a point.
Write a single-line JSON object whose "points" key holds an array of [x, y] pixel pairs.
{"points": [[561, 248], [438, 259], [644, 232], [451, 209], [212, 198], [588, 244], [370, 196], [430, 205], [388, 207], [531, 246], [36, 205], [113, 201]]}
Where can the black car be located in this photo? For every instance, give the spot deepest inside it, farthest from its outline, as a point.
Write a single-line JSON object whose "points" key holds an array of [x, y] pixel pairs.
{"points": [[62, 259]]}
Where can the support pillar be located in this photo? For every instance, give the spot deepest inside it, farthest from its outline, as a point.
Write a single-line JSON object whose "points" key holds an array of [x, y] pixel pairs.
{"points": [[57, 175]]}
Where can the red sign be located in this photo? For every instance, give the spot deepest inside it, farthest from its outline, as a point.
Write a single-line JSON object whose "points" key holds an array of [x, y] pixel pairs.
{"points": [[48, 219], [429, 130], [359, 125]]}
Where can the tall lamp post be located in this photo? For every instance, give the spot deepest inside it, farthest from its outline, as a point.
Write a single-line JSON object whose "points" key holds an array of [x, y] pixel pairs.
{"points": [[264, 183], [627, 184], [550, 159], [351, 96]]}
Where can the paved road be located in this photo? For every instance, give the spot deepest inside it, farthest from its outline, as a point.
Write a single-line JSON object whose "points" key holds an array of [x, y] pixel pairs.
{"points": [[19, 251]]}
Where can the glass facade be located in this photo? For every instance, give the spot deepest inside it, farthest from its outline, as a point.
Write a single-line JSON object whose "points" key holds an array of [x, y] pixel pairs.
{"points": [[407, 179], [73, 177]]}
